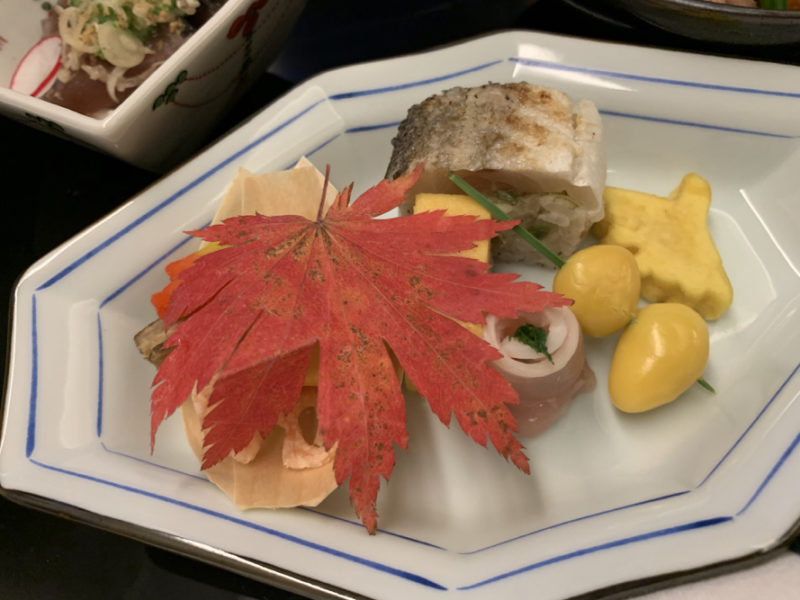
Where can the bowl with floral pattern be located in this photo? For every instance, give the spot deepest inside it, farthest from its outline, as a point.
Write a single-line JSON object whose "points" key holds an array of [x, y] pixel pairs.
{"points": [[143, 80]]}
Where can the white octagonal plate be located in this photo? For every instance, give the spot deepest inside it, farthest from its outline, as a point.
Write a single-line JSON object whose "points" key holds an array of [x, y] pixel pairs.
{"points": [[613, 500]]}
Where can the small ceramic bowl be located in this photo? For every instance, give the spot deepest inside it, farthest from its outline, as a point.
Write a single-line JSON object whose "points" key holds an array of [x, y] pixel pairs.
{"points": [[720, 23], [170, 113]]}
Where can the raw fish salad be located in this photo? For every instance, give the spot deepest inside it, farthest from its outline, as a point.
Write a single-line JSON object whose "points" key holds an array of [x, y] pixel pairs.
{"points": [[109, 47]]}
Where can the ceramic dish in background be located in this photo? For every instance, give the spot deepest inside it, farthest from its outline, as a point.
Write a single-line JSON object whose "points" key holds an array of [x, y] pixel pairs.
{"points": [[614, 501], [169, 115], [713, 22]]}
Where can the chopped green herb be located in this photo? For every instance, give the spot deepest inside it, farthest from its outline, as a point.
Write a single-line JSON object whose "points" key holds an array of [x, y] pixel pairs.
{"points": [[103, 14], [535, 337], [110, 16], [142, 32], [46, 6], [705, 385], [129, 13]]}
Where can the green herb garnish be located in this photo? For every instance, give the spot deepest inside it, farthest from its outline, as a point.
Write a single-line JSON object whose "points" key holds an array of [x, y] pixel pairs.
{"points": [[533, 336], [142, 32], [103, 14], [705, 385]]}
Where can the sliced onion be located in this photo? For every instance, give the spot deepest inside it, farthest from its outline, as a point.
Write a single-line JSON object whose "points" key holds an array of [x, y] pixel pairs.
{"points": [[120, 47], [96, 72], [70, 27], [187, 7], [111, 82], [556, 334], [514, 348]]}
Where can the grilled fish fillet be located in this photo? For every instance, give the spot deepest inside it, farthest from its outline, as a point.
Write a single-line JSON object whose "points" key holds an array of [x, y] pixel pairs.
{"points": [[535, 152]]}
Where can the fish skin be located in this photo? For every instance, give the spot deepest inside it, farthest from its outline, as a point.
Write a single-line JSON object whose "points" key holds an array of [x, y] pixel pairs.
{"points": [[494, 126], [514, 136]]}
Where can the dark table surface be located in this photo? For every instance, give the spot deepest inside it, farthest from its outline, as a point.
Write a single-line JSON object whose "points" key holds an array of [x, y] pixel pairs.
{"points": [[44, 556]]}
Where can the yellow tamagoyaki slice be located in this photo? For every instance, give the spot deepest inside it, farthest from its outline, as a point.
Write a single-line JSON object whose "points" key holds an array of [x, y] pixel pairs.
{"points": [[454, 205], [669, 237]]}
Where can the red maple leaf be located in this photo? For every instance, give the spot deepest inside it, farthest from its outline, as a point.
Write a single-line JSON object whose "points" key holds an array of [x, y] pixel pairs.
{"points": [[353, 287]]}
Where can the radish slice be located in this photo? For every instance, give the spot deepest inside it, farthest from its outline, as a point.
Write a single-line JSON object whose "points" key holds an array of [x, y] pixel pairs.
{"points": [[37, 70]]}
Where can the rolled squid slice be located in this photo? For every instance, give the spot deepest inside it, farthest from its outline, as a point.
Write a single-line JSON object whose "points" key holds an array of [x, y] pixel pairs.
{"points": [[545, 388]]}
